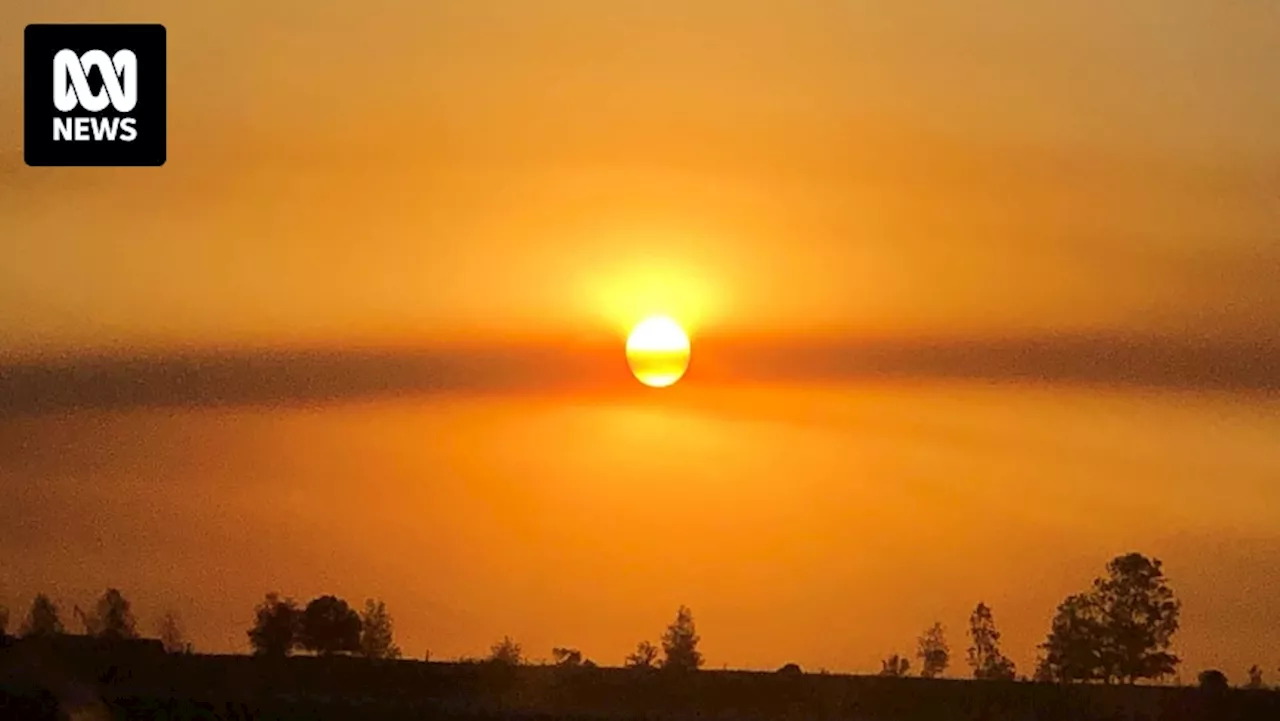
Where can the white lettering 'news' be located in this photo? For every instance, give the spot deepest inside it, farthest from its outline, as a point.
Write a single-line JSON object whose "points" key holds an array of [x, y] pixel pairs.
{"points": [[71, 81]]}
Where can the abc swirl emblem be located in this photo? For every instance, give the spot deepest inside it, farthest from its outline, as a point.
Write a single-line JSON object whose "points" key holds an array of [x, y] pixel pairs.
{"points": [[94, 95]]}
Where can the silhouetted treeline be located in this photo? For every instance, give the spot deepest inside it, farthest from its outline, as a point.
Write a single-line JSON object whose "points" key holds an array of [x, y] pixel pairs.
{"points": [[1119, 630]]}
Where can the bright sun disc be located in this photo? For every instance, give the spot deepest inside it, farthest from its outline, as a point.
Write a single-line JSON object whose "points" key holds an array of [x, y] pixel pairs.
{"points": [[658, 351]]}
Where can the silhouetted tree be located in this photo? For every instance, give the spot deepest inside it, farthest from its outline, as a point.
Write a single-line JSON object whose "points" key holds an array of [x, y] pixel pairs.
{"points": [[4, 621], [680, 643], [933, 651], [42, 619], [1213, 680], [566, 656], [895, 666], [376, 631], [984, 655], [1141, 616], [276, 626], [1119, 631], [111, 619], [329, 626], [170, 633], [1073, 650], [791, 669], [506, 652], [1255, 678], [645, 656]]}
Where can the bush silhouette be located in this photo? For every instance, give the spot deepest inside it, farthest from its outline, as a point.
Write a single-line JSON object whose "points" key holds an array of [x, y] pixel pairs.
{"points": [[645, 656], [506, 653], [895, 666]]}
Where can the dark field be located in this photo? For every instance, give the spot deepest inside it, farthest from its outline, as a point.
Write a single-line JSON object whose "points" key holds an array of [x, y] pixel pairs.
{"points": [[142, 682]]}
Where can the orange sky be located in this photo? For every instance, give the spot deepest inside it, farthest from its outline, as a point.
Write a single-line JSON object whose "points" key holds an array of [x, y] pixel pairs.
{"points": [[385, 172], [410, 175]]}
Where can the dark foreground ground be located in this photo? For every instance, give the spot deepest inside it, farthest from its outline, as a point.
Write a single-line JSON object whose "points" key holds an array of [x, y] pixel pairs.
{"points": [[83, 680]]}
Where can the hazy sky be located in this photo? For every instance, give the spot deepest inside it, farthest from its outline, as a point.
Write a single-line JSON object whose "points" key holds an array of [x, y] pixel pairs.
{"points": [[385, 172], [347, 175]]}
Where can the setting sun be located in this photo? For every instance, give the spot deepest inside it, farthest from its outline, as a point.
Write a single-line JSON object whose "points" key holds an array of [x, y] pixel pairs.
{"points": [[658, 351]]}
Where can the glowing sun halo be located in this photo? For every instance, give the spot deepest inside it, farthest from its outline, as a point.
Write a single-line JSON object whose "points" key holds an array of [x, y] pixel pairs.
{"points": [[658, 351]]}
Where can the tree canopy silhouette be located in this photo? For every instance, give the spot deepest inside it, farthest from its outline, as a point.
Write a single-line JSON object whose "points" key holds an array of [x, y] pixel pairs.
{"points": [[111, 618], [984, 656], [329, 626], [376, 631], [933, 651], [1118, 631], [680, 643], [42, 620], [645, 656], [1255, 678], [4, 621], [276, 626]]}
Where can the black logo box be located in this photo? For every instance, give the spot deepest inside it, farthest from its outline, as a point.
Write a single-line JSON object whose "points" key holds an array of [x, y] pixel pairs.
{"points": [[148, 43]]}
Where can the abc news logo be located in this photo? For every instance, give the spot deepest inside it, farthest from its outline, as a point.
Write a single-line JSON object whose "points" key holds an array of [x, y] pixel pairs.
{"points": [[107, 105]]}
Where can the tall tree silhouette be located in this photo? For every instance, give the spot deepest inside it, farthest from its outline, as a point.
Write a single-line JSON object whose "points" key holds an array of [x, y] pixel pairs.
{"points": [[42, 620], [170, 632], [680, 643], [376, 631], [1255, 678], [895, 666], [276, 626], [4, 621], [984, 656], [1141, 615], [330, 626], [1119, 631], [111, 618], [933, 651], [645, 656]]}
